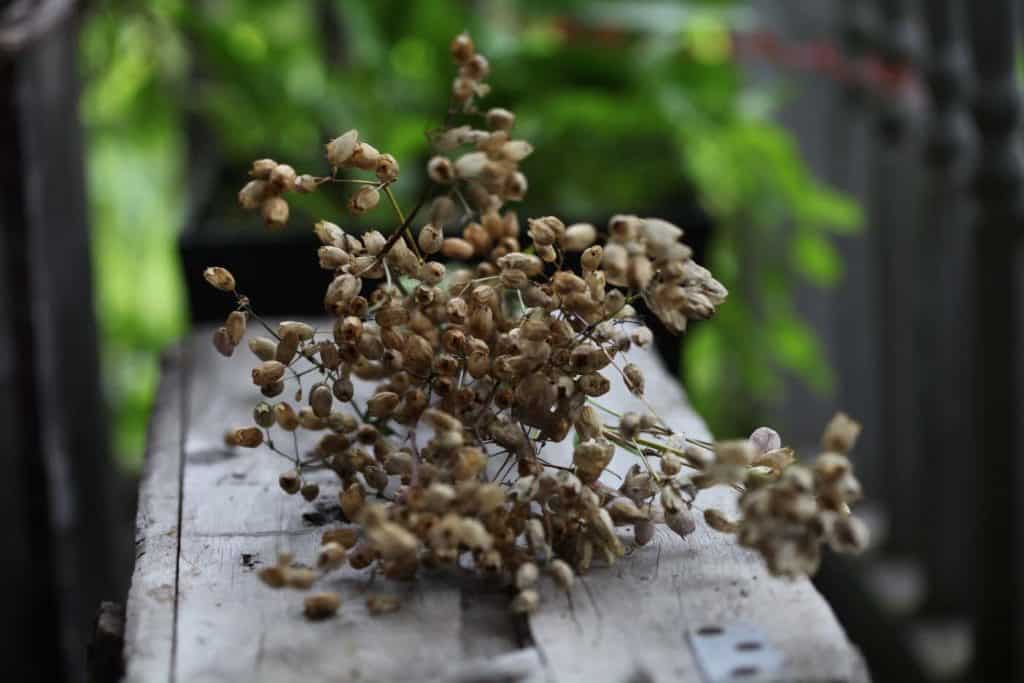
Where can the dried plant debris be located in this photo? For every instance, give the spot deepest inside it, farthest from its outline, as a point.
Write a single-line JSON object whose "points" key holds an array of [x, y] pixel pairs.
{"points": [[488, 361]]}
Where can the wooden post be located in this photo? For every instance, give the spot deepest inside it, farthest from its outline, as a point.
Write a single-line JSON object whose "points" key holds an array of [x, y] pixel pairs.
{"points": [[943, 320], [997, 183], [56, 492], [892, 209]]}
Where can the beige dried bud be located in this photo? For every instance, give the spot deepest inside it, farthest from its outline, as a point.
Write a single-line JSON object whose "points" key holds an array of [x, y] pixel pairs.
{"points": [[332, 258], [634, 378], [475, 68], [562, 573], [286, 417], [320, 606], [320, 400], [267, 372], [382, 404], [273, 576], [222, 342], [387, 168], [578, 237], [440, 170], [340, 149], [457, 248], [430, 239], [352, 500], [717, 520], [526, 575], [221, 278], [332, 556], [253, 193], [500, 119], [329, 234], [526, 602], [275, 212], [282, 178], [364, 199], [235, 326], [462, 48], [248, 437], [680, 521], [849, 535], [262, 168], [841, 433], [364, 156]]}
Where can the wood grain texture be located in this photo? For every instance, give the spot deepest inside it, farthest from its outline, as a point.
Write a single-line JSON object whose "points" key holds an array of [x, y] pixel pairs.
{"points": [[623, 622]]}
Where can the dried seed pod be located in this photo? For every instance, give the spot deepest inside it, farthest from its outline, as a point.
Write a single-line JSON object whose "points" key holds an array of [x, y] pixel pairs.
{"points": [[457, 248], [526, 602], [340, 149], [332, 556], [286, 417], [364, 156], [273, 576], [263, 348], [634, 378], [267, 372], [500, 119], [579, 237], [526, 575], [320, 606], [253, 193], [275, 212], [249, 437], [717, 520], [282, 178], [352, 500], [343, 389], [262, 168], [221, 278], [364, 199], [387, 168], [290, 482], [680, 521], [643, 532], [841, 433], [222, 342]]}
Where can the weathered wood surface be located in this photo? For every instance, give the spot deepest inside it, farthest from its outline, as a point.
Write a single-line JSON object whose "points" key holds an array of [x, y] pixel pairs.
{"points": [[209, 516]]}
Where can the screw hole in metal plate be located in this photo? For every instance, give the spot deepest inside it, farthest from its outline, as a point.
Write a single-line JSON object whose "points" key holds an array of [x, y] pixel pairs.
{"points": [[748, 646], [710, 631], [744, 671]]}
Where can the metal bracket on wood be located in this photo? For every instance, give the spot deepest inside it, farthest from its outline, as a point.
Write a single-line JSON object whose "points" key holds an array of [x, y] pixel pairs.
{"points": [[734, 652]]}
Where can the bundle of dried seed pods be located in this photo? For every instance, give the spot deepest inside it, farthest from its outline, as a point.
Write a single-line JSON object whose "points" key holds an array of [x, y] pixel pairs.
{"points": [[484, 344]]}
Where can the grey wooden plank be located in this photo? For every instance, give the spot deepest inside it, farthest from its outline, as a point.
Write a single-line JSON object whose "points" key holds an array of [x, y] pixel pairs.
{"points": [[623, 621], [629, 623], [149, 623]]}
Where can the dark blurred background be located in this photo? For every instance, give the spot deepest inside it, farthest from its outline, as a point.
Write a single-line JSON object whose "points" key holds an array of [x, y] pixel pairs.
{"points": [[848, 168]]}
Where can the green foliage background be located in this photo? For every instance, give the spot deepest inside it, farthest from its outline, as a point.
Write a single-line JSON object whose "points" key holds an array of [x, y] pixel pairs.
{"points": [[627, 104]]}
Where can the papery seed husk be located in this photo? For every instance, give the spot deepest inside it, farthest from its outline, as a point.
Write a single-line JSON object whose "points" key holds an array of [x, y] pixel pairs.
{"points": [[321, 605]]}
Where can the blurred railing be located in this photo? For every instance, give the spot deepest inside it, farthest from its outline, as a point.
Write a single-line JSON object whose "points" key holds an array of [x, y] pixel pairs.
{"points": [[913, 107]]}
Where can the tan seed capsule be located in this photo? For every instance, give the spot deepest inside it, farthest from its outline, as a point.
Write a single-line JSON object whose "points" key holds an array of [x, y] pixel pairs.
{"points": [[222, 342], [382, 404], [320, 606], [462, 48], [290, 482], [364, 156], [275, 212], [263, 348], [283, 178], [634, 377], [457, 248], [500, 119], [273, 576], [320, 400], [249, 437], [235, 325], [387, 168], [332, 556], [841, 433], [252, 194], [262, 168], [526, 575], [430, 239], [364, 199], [287, 348], [286, 417], [717, 520], [340, 149], [526, 602], [221, 278], [562, 574], [267, 372], [352, 500]]}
